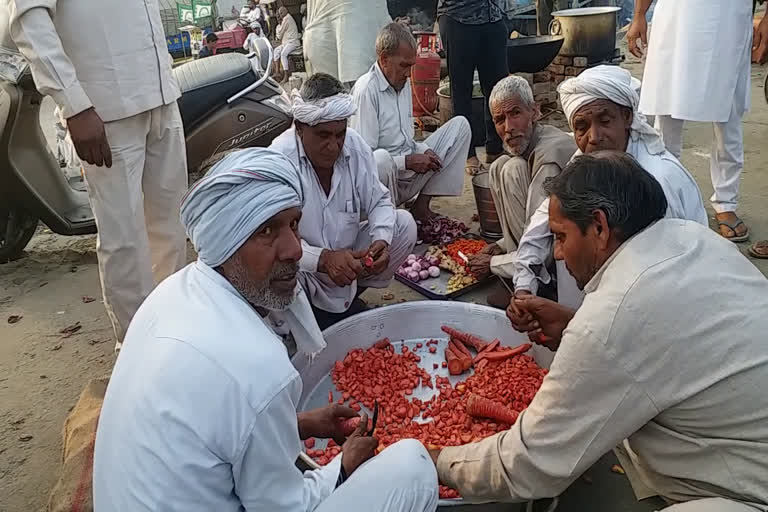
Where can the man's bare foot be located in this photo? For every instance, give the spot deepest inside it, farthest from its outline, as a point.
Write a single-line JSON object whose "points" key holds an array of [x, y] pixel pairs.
{"points": [[759, 250], [473, 166], [732, 227], [420, 209]]}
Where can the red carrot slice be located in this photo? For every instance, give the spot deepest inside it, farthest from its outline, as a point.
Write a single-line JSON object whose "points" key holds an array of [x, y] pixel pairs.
{"points": [[382, 343], [480, 407]]}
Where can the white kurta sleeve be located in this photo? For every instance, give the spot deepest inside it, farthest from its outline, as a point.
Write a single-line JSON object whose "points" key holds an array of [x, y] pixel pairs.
{"points": [[587, 404], [533, 252], [265, 474], [310, 257], [376, 199], [33, 31], [366, 119]]}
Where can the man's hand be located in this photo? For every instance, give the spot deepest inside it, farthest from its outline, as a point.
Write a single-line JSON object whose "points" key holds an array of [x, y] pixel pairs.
{"points": [[638, 30], [480, 263], [89, 138], [325, 422], [760, 42], [343, 267], [423, 163], [358, 448], [379, 251], [544, 320]]}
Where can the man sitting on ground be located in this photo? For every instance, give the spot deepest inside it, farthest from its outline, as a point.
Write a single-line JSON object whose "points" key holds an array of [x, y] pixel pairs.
{"points": [[384, 119], [535, 152], [601, 108], [349, 219], [200, 412], [660, 353]]}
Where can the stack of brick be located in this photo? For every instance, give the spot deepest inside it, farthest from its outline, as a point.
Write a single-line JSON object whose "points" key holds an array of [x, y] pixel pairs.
{"points": [[564, 67], [544, 89]]}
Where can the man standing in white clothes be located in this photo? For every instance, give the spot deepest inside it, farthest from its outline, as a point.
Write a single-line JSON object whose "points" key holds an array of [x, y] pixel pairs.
{"points": [[697, 69], [115, 88], [384, 118], [288, 35]]}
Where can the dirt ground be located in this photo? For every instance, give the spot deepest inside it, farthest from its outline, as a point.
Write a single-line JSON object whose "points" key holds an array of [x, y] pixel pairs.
{"points": [[55, 286]]}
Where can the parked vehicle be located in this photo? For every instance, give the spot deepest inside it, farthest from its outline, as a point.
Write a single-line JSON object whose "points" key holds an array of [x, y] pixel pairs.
{"points": [[226, 103]]}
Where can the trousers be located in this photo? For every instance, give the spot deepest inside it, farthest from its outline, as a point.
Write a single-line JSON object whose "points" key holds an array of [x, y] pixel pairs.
{"points": [[726, 157], [283, 51], [475, 46], [711, 505], [324, 294], [136, 204], [401, 478], [544, 10], [451, 143]]}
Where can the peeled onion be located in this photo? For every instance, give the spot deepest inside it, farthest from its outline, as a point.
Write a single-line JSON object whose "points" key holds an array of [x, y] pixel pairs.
{"points": [[424, 274], [413, 276], [411, 258], [434, 271], [416, 266]]}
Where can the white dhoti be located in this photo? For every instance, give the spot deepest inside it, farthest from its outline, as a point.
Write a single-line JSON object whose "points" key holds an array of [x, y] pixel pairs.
{"points": [[451, 143], [402, 478], [326, 295], [283, 51], [711, 505], [136, 203]]}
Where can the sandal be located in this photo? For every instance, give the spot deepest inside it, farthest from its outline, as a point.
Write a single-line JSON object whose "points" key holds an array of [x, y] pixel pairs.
{"points": [[732, 226], [473, 169], [759, 250]]}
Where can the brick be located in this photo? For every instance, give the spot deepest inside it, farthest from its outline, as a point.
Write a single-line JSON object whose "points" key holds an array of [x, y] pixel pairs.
{"points": [[560, 79], [573, 71], [528, 77], [580, 62], [563, 60], [542, 76], [544, 99], [541, 88], [557, 69]]}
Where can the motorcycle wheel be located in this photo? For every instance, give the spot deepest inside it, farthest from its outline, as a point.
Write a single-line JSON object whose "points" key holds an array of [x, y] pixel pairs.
{"points": [[16, 230]]}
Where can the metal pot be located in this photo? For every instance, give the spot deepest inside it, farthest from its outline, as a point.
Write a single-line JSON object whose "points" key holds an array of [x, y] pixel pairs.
{"points": [[589, 32]]}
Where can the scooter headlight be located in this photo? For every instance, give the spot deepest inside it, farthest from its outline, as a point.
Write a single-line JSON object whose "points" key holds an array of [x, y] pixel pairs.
{"points": [[280, 102]]}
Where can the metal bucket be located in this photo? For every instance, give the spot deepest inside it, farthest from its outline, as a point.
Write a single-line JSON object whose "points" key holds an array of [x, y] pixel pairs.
{"points": [[490, 225], [589, 31]]}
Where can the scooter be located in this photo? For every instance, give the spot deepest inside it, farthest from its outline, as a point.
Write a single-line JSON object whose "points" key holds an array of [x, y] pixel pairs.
{"points": [[227, 102]]}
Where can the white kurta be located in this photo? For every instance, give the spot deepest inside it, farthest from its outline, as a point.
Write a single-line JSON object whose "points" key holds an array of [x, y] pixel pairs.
{"points": [[340, 35], [357, 211], [683, 198], [698, 62], [667, 350], [200, 415]]}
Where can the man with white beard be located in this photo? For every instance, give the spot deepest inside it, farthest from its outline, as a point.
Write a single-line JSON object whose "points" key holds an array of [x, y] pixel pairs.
{"points": [[201, 409], [535, 152]]}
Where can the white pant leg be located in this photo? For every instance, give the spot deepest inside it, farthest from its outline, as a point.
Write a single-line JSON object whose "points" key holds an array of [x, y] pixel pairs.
{"points": [[164, 183], [122, 245], [726, 163], [403, 242], [451, 143], [510, 179], [277, 52], [287, 49], [387, 169], [671, 132], [402, 478], [710, 505]]}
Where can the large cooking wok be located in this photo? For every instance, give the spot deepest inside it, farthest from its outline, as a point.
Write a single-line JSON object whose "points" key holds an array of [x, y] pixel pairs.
{"points": [[532, 54]]}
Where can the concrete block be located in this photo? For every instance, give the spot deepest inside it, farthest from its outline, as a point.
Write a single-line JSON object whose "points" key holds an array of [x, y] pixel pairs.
{"points": [[563, 60], [580, 62], [542, 76], [559, 79], [573, 70], [557, 69], [544, 99], [528, 77], [542, 88]]}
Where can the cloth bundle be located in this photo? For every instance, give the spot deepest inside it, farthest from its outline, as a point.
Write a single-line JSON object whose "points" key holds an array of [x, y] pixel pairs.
{"points": [[333, 108]]}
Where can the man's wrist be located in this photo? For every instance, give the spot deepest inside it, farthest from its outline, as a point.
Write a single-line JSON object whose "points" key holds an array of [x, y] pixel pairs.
{"points": [[303, 424], [321, 261]]}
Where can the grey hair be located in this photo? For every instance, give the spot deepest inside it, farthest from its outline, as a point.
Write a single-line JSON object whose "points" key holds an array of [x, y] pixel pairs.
{"points": [[391, 37], [512, 87], [321, 85], [614, 183]]}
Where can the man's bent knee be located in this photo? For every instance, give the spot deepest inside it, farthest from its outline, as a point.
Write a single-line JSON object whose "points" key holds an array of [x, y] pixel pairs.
{"points": [[405, 226], [385, 164], [413, 464]]}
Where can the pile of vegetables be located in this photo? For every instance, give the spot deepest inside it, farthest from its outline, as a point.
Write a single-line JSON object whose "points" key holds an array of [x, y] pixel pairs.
{"points": [[503, 384], [440, 230], [419, 268]]}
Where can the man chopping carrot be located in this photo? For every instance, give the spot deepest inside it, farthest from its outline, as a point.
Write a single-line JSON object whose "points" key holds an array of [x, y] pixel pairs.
{"points": [[200, 412], [660, 357]]}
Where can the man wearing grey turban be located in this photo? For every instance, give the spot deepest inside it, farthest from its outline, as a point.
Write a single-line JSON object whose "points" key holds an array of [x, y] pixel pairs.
{"points": [[200, 412], [352, 235]]}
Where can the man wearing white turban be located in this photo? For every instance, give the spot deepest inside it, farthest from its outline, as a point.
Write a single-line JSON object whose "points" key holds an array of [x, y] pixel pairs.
{"points": [[200, 412], [353, 237], [601, 107]]}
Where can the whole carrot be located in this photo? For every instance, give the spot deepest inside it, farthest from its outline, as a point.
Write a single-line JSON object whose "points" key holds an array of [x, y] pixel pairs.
{"points": [[455, 365], [463, 354], [500, 355], [481, 407], [488, 348], [470, 339], [350, 424]]}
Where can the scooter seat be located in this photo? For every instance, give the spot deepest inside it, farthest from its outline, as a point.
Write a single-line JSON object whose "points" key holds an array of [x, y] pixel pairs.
{"points": [[207, 83]]}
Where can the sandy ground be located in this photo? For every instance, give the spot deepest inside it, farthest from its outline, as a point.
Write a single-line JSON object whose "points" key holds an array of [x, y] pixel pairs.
{"points": [[43, 371]]}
